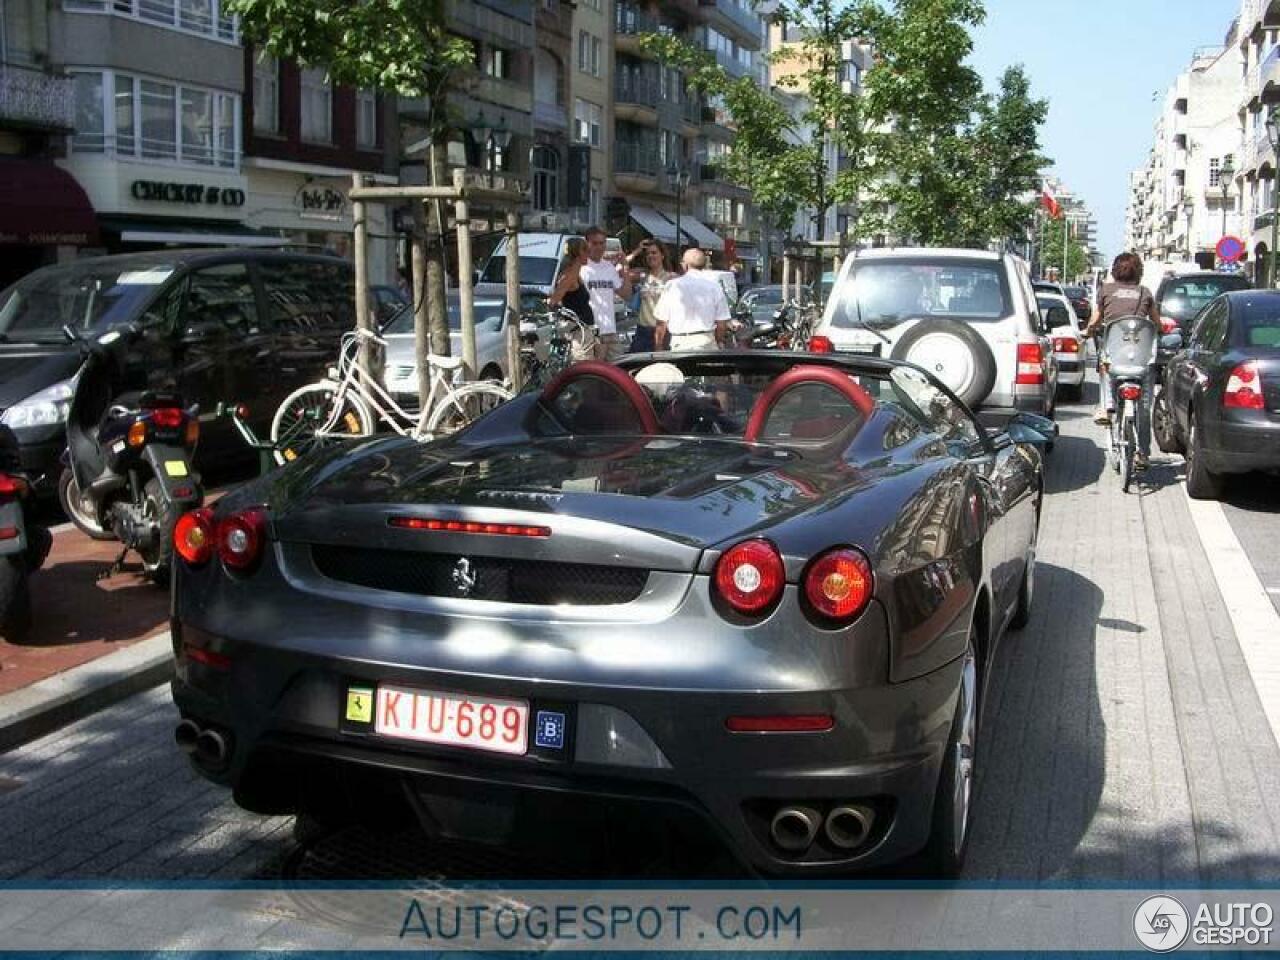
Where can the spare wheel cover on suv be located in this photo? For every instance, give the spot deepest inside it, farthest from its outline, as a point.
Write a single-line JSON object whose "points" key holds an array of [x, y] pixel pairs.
{"points": [[953, 352]]}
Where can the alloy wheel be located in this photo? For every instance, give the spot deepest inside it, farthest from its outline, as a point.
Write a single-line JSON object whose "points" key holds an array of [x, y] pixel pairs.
{"points": [[964, 747]]}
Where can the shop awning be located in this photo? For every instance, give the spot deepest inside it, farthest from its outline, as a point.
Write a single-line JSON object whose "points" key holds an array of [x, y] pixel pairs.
{"points": [[655, 223], [43, 205], [189, 235], [702, 235]]}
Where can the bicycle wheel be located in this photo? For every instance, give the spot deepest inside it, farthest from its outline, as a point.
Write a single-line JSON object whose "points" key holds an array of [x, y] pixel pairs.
{"points": [[307, 411], [1128, 444], [465, 405]]}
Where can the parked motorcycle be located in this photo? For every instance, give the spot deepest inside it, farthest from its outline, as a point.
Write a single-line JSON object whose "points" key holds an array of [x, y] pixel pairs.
{"points": [[129, 474], [24, 541]]}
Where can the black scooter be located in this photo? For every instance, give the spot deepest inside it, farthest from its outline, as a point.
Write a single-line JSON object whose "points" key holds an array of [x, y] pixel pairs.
{"points": [[24, 541], [130, 456]]}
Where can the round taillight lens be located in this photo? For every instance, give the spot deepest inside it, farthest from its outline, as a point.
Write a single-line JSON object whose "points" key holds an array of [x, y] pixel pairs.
{"points": [[750, 576], [838, 584], [241, 537], [193, 536]]}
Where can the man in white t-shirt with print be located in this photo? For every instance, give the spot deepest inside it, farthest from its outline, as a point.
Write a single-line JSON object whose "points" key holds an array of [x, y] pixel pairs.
{"points": [[693, 311], [604, 281]]}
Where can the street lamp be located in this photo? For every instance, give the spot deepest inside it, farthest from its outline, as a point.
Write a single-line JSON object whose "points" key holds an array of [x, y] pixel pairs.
{"points": [[1225, 176], [491, 140], [679, 178], [1273, 135]]}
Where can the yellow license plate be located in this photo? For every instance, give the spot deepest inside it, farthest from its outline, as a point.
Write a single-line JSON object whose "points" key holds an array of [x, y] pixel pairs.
{"points": [[175, 468], [360, 704]]}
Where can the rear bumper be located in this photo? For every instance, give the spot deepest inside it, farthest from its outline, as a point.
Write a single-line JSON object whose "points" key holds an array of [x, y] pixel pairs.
{"points": [[1243, 442]]}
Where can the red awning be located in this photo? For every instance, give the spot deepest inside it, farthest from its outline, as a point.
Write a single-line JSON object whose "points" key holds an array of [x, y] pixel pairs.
{"points": [[42, 204]]}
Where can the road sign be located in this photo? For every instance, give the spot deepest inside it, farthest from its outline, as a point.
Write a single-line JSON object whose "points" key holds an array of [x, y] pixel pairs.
{"points": [[1230, 249]]}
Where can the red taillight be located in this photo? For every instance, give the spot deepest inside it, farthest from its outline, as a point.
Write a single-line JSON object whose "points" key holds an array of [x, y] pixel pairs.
{"points": [[838, 584], [468, 526], [12, 486], [167, 418], [1030, 360], [193, 536], [216, 661], [1169, 325], [821, 345], [798, 723], [1130, 391], [8, 533], [1066, 345], [750, 576], [1244, 388], [241, 537]]}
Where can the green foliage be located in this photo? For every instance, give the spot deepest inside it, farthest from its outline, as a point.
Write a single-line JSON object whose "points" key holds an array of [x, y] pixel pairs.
{"points": [[1050, 235], [1007, 158]]}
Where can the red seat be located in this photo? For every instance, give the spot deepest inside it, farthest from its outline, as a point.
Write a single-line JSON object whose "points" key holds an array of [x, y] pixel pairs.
{"points": [[620, 397], [815, 428]]}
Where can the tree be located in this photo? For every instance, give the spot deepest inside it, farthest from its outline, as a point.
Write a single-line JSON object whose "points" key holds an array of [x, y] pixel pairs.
{"points": [[1007, 158], [1052, 237], [400, 46]]}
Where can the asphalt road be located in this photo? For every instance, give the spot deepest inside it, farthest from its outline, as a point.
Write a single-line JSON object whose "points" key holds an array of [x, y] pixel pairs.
{"points": [[1123, 741], [1252, 507]]}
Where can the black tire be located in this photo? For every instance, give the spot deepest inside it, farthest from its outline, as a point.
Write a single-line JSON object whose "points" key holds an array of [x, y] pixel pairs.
{"points": [[1202, 483], [982, 370], [1027, 592], [949, 838], [156, 562], [1071, 392], [76, 512], [15, 599], [1163, 427]]}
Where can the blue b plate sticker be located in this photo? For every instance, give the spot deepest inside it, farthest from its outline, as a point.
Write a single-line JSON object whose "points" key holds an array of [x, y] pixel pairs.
{"points": [[548, 730]]}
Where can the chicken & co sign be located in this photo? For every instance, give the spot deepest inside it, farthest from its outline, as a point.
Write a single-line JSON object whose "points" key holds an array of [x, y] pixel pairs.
{"points": [[159, 191]]}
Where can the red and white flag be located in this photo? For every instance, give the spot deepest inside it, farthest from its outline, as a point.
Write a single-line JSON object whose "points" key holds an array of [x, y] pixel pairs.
{"points": [[1050, 202]]}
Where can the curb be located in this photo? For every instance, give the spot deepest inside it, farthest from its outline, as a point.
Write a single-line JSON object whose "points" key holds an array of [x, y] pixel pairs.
{"points": [[66, 697]]}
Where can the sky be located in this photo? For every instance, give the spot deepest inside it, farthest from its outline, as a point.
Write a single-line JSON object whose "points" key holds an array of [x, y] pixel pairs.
{"points": [[1099, 64]]}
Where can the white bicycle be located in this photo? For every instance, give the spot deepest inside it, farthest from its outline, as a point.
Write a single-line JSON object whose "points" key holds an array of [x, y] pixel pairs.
{"points": [[350, 403]]}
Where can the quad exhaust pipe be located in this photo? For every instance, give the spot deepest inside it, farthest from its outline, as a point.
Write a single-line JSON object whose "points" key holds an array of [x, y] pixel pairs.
{"points": [[210, 748], [849, 825], [185, 735], [795, 828]]}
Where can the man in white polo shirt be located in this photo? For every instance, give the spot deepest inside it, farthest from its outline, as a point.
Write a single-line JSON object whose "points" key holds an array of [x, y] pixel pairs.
{"points": [[604, 281], [693, 311]]}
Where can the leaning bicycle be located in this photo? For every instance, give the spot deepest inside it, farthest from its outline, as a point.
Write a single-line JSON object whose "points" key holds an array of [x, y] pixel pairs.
{"points": [[1128, 353], [351, 403], [566, 330]]}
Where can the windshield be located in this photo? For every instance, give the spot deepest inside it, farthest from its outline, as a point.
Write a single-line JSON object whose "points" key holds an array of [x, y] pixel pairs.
{"points": [[1257, 321], [886, 293], [91, 295], [1077, 293], [1183, 299], [534, 271], [488, 313]]}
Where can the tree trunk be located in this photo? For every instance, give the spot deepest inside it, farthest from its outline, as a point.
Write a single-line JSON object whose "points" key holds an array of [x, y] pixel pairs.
{"points": [[431, 324]]}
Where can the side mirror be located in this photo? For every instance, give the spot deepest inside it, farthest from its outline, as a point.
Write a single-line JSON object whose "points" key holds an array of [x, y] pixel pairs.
{"points": [[1171, 341], [1030, 428]]}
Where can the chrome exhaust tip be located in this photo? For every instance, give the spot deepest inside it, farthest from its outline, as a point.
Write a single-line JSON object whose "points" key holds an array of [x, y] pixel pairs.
{"points": [[794, 828], [211, 748], [185, 735], [848, 826]]}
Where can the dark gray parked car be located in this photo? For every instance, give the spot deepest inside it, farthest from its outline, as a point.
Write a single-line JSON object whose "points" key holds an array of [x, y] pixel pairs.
{"points": [[760, 589]]}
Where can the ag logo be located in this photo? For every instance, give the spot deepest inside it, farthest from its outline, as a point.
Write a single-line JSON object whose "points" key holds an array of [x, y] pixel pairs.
{"points": [[1161, 924]]}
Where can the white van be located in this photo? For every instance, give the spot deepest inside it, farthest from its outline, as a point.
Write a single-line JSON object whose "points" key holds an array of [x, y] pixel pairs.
{"points": [[540, 256]]}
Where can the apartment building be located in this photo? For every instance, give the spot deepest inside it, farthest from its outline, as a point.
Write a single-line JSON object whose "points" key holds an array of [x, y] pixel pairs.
{"points": [[1257, 44]]}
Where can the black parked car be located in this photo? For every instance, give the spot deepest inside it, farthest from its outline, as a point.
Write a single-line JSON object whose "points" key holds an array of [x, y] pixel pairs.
{"points": [[218, 325], [1221, 401], [1080, 302]]}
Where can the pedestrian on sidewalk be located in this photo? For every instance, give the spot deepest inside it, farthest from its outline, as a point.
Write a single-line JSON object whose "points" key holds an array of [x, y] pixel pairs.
{"points": [[693, 310], [652, 258], [605, 281], [571, 293]]}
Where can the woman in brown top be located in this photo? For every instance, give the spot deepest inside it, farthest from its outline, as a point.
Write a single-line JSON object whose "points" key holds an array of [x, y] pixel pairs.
{"points": [[1124, 297]]}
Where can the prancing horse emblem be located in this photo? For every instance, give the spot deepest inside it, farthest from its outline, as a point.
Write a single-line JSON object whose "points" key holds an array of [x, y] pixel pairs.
{"points": [[464, 579]]}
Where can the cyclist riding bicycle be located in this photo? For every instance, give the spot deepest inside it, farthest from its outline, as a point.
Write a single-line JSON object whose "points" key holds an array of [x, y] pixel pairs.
{"points": [[1123, 297]]}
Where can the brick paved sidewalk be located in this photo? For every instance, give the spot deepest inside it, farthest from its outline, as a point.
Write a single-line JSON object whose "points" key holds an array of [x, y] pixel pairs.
{"points": [[78, 616]]}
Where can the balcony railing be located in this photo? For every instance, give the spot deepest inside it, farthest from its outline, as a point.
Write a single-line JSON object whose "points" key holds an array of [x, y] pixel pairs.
{"points": [[691, 109], [36, 99], [632, 21], [550, 115], [1263, 220], [636, 158], [630, 87]]}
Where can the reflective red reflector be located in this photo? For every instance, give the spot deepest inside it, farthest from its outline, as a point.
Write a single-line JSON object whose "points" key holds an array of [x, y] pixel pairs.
{"points": [[1066, 345], [1130, 391], [750, 576], [799, 723], [838, 584], [1030, 360], [8, 533], [240, 538], [167, 417], [218, 661], [1244, 388], [821, 345], [12, 486], [1169, 325], [182, 493], [193, 536], [469, 526]]}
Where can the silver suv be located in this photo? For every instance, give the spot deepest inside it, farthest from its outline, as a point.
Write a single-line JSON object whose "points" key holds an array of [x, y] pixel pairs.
{"points": [[967, 316]]}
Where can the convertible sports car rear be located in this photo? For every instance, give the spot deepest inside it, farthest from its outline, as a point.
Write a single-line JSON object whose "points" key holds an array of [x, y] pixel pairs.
{"points": [[767, 600]]}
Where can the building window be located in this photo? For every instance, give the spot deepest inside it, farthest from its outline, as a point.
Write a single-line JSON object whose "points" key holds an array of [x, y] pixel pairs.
{"points": [[593, 203], [497, 63], [266, 94], [133, 116], [590, 52], [317, 106], [205, 17], [588, 122], [592, 5], [1215, 171], [366, 118], [546, 178]]}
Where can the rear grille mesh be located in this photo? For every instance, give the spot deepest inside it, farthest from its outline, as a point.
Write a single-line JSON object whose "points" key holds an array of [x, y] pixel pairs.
{"points": [[495, 578]]}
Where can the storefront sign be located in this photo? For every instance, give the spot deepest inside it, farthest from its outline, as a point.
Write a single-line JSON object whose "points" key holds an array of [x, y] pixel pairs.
{"points": [[316, 202], [159, 191], [46, 238]]}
